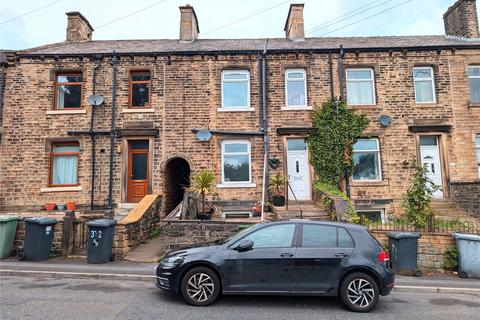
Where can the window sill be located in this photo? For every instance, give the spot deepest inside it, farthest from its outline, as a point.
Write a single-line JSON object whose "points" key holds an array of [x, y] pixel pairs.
{"points": [[426, 104], [61, 189], [139, 110], [366, 183], [237, 185], [74, 111], [235, 109], [297, 108], [364, 106], [474, 104]]}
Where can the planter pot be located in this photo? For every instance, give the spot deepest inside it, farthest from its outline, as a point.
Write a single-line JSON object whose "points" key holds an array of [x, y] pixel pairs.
{"points": [[71, 206], [278, 201], [60, 207], [50, 206]]}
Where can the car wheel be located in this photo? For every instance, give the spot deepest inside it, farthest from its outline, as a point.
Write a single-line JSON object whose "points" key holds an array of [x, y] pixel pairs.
{"points": [[359, 292], [200, 286]]}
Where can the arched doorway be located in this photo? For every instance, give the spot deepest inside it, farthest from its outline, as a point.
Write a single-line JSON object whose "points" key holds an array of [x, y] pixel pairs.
{"points": [[176, 180]]}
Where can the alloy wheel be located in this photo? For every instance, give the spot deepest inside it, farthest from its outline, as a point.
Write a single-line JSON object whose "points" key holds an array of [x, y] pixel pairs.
{"points": [[360, 292], [200, 287]]}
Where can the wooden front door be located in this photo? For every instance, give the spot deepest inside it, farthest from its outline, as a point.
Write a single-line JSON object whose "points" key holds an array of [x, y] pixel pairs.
{"points": [[137, 175]]}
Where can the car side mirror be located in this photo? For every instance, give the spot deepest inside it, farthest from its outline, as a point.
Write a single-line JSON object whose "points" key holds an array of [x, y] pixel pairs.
{"points": [[244, 245]]}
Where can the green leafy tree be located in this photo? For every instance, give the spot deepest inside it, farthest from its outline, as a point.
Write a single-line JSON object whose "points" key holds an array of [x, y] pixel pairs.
{"points": [[202, 183], [337, 127], [418, 197]]}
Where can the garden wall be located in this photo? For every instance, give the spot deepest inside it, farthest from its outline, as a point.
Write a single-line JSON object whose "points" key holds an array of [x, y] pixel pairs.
{"points": [[467, 196]]}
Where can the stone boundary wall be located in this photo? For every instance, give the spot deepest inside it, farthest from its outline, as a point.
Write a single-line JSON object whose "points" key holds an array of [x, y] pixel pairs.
{"points": [[181, 233], [135, 228], [467, 196], [431, 248]]}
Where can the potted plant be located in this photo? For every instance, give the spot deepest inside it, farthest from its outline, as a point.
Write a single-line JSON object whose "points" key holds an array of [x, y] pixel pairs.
{"points": [[60, 207], [202, 184], [277, 185], [49, 206], [71, 206]]}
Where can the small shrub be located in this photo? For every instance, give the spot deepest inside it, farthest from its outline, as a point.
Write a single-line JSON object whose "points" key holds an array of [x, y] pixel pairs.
{"points": [[451, 259], [154, 233]]}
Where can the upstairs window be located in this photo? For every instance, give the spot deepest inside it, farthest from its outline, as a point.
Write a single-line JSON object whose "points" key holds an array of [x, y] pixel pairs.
{"points": [[140, 89], [296, 88], [424, 85], [360, 87], [68, 91], [477, 145], [236, 162], [235, 89], [64, 164], [366, 159], [474, 81]]}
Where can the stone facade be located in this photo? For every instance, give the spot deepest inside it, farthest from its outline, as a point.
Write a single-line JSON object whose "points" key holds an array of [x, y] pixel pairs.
{"points": [[467, 196], [186, 94]]}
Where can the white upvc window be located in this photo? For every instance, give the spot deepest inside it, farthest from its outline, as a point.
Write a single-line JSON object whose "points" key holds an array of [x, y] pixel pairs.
{"points": [[296, 88], [474, 82], [477, 146], [424, 83], [236, 162], [360, 87], [235, 90], [366, 160]]}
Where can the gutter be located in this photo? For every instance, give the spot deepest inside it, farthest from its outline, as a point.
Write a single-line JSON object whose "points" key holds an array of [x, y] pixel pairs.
{"points": [[112, 129], [230, 133]]}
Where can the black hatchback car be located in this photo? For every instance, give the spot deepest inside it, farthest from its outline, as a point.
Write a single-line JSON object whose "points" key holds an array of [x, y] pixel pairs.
{"points": [[298, 257]]}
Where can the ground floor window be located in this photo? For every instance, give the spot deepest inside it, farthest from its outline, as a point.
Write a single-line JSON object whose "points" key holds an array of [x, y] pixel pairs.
{"points": [[373, 215], [366, 159], [64, 164], [236, 161]]}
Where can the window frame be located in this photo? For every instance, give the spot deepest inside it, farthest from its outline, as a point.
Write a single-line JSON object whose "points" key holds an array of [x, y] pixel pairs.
{"points": [[247, 81], [249, 150], [54, 154], [300, 236], [431, 79], [372, 79], [304, 79], [379, 160], [132, 82], [383, 214], [469, 85], [56, 85]]}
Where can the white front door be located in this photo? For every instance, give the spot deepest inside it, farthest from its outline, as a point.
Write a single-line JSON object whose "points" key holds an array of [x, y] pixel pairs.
{"points": [[298, 171], [430, 157]]}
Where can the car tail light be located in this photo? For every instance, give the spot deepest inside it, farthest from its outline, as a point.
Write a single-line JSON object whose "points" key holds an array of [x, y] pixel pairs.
{"points": [[383, 256]]}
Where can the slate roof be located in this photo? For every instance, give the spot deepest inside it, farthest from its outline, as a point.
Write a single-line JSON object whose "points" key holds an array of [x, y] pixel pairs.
{"points": [[239, 45]]}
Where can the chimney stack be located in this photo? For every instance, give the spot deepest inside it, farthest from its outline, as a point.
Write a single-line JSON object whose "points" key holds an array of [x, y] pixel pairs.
{"points": [[461, 20], [78, 27], [188, 24], [294, 29]]}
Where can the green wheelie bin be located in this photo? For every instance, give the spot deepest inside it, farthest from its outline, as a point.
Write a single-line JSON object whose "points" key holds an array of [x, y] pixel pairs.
{"points": [[8, 228]]}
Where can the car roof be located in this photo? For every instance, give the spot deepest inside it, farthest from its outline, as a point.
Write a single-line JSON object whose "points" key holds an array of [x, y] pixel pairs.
{"points": [[328, 223]]}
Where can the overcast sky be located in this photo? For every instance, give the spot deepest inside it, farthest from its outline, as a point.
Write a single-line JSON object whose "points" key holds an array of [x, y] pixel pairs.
{"points": [[161, 20]]}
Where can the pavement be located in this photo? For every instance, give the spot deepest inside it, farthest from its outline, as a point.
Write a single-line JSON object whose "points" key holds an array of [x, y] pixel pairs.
{"points": [[78, 299], [134, 271]]}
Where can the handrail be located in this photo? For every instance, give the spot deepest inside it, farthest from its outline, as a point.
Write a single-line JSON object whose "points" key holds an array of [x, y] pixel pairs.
{"points": [[295, 197]]}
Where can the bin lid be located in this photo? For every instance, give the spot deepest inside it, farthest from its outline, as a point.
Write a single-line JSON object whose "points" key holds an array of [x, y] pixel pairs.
{"points": [[463, 236], [103, 223], [404, 235], [42, 221], [7, 217]]}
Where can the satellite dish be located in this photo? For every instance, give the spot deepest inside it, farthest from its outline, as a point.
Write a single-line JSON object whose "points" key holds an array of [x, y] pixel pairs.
{"points": [[204, 135], [385, 120], [95, 100]]}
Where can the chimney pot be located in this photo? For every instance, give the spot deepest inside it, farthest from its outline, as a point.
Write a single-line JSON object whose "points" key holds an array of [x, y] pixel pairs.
{"points": [[78, 27], [294, 29], [189, 29], [461, 19]]}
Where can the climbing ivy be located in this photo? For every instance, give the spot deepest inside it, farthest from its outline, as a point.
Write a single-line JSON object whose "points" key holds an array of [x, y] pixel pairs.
{"points": [[337, 127]]}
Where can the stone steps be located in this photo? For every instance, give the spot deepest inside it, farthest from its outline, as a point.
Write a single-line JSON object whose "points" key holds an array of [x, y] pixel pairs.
{"points": [[309, 211]]}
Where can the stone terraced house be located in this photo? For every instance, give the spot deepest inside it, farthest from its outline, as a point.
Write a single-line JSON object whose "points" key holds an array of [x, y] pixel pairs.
{"points": [[163, 98]]}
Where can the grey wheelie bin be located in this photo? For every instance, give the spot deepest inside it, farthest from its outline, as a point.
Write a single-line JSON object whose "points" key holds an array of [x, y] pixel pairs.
{"points": [[39, 233], [403, 252], [468, 247], [8, 228], [100, 240]]}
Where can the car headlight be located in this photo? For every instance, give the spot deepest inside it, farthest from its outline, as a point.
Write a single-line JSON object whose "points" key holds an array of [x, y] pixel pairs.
{"points": [[172, 262]]}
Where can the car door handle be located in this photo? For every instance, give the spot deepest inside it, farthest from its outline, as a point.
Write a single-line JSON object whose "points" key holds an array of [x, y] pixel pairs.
{"points": [[341, 254], [286, 255]]}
